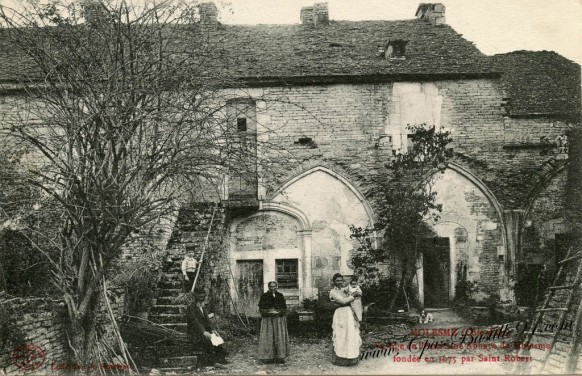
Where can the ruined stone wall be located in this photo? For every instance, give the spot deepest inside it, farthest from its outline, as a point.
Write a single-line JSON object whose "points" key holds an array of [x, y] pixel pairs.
{"points": [[545, 219], [32, 321], [353, 129], [41, 325]]}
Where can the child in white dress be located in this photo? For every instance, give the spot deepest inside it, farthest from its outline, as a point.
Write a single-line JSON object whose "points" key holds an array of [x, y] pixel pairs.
{"points": [[356, 304]]}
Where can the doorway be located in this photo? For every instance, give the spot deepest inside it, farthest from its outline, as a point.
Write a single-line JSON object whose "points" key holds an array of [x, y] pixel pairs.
{"points": [[436, 265], [250, 286]]}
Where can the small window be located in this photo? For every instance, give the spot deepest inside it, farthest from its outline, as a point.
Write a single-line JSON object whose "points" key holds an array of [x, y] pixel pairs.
{"points": [[396, 49], [409, 143], [287, 273], [241, 124]]}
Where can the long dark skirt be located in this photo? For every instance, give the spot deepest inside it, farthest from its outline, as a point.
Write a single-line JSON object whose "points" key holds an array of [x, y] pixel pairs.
{"points": [[274, 340]]}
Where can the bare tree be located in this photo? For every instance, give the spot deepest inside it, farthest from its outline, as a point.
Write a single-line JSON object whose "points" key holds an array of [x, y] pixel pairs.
{"points": [[122, 112]]}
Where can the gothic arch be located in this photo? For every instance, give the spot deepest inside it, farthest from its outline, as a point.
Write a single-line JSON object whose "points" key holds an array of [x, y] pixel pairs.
{"points": [[547, 172], [287, 209], [335, 175], [480, 184]]}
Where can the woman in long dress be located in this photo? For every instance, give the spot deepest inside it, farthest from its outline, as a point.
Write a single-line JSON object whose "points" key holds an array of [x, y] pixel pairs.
{"points": [[346, 330], [274, 339]]}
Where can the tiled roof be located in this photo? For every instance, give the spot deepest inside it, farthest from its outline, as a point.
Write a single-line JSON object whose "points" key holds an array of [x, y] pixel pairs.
{"points": [[348, 48], [540, 83], [342, 48], [345, 51]]}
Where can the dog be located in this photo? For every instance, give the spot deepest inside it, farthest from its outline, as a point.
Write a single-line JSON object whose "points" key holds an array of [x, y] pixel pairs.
{"points": [[425, 317]]}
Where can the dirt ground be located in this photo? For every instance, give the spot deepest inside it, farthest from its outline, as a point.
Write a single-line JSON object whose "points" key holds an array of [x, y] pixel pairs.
{"points": [[314, 355]]}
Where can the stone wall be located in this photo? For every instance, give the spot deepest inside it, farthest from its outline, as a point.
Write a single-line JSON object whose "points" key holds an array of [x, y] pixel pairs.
{"points": [[43, 323], [352, 130], [38, 322]]}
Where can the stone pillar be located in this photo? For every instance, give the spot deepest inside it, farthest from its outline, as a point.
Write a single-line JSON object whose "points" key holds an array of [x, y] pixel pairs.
{"points": [[513, 220], [307, 275]]}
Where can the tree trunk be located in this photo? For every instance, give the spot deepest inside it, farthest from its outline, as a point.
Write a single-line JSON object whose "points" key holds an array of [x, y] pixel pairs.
{"points": [[82, 331]]}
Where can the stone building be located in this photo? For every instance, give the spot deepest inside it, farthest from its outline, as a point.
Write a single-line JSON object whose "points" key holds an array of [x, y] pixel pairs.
{"points": [[337, 97], [324, 105]]}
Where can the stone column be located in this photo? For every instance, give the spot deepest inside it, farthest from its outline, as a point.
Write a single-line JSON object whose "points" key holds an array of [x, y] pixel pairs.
{"points": [[307, 276], [513, 220]]}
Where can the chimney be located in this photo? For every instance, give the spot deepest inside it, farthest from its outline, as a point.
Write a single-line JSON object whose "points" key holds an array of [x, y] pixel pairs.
{"points": [[431, 12], [208, 14], [316, 15]]}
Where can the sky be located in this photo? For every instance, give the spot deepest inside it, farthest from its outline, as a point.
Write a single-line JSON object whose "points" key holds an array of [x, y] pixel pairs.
{"points": [[495, 26]]}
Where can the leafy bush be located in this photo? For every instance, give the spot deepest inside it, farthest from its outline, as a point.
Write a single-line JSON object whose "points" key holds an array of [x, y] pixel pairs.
{"points": [[139, 279], [381, 292]]}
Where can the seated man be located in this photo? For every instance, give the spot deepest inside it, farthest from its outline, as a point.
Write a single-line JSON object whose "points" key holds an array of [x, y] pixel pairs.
{"points": [[200, 330]]}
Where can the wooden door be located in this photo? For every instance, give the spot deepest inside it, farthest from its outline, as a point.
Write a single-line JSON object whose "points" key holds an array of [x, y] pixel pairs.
{"points": [[249, 285], [436, 270]]}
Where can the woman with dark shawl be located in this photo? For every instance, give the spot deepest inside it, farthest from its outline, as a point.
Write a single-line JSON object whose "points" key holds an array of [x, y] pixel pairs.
{"points": [[274, 340]]}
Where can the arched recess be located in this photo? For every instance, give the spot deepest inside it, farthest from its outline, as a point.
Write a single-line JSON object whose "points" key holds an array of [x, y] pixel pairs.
{"points": [[481, 185], [472, 228], [331, 204], [544, 236], [277, 236], [337, 176], [547, 173]]}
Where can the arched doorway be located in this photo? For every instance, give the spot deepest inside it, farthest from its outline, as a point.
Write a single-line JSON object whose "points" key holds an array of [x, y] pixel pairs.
{"points": [[469, 240]]}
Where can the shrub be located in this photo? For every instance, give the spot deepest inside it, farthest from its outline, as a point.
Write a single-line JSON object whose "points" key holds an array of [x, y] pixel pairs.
{"points": [[381, 291], [139, 279]]}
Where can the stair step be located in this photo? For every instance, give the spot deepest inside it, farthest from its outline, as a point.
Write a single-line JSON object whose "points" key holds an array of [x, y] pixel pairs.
{"points": [[175, 370], [169, 300], [576, 256], [172, 276], [167, 318], [162, 308], [539, 334], [562, 287], [170, 292], [551, 309], [170, 284]]}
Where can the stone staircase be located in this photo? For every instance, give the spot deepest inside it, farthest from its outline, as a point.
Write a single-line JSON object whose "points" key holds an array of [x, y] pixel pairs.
{"points": [[168, 311]]}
